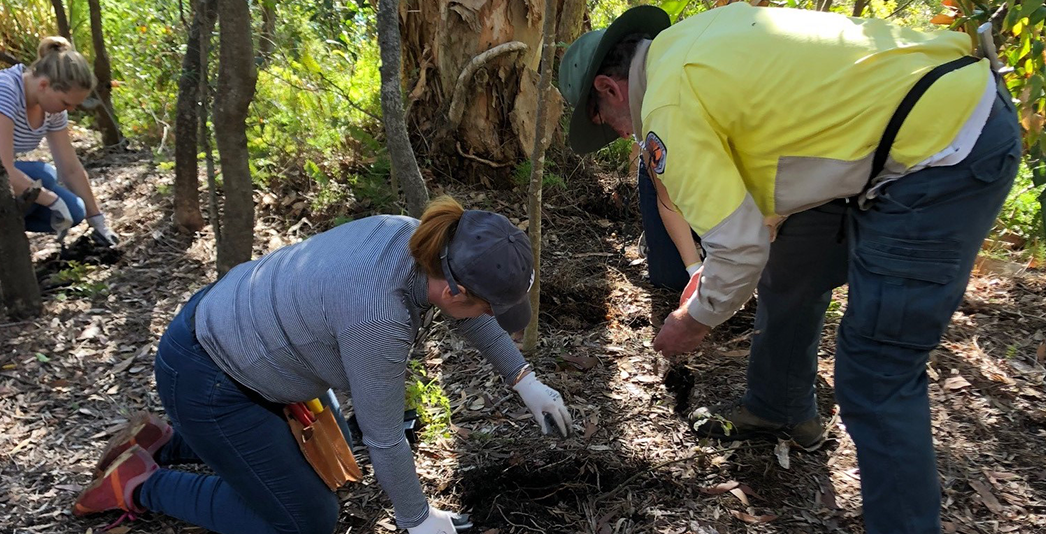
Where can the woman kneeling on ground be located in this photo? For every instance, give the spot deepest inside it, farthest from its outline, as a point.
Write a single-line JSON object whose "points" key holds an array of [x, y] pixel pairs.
{"points": [[338, 310], [34, 103]]}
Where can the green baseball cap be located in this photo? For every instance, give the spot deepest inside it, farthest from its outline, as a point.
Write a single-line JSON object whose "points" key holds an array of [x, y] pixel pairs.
{"points": [[582, 60]]}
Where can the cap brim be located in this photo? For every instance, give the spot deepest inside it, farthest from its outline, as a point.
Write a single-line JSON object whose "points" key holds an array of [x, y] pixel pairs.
{"points": [[514, 318], [586, 136]]}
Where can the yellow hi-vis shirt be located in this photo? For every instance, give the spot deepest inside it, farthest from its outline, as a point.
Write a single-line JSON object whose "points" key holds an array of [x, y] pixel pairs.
{"points": [[753, 112]]}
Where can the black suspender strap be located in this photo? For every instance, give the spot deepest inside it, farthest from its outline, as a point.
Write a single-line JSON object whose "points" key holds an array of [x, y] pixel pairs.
{"points": [[916, 92]]}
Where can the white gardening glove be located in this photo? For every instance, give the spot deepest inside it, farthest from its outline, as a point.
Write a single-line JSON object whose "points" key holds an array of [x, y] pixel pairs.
{"points": [[693, 268], [541, 400], [438, 522], [61, 219], [102, 234]]}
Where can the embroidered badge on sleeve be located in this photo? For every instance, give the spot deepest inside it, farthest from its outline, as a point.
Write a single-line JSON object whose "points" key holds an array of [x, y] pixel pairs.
{"points": [[655, 152]]}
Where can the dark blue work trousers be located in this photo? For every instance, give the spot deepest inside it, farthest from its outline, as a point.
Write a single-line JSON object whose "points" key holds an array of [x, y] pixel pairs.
{"points": [[907, 259]]}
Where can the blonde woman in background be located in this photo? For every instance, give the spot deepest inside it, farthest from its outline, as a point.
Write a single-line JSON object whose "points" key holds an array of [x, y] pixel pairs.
{"points": [[34, 104]]}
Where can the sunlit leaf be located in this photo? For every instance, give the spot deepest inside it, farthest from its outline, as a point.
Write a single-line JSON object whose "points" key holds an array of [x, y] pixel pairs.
{"points": [[310, 63], [674, 7], [1019, 26]]}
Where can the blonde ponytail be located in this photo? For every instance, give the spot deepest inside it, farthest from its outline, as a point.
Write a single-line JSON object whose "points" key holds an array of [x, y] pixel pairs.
{"points": [[62, 65], [437, 224]]}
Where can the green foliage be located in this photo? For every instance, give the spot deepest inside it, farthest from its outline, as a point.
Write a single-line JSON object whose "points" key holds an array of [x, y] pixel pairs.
{"points": [[617, 155], [23, 23], [75, 276], [1022, 213], [75, 273], [432, 404], [549, 180]]}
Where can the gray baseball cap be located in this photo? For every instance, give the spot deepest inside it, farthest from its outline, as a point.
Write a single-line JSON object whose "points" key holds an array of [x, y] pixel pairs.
{"points": [[492, 259]]}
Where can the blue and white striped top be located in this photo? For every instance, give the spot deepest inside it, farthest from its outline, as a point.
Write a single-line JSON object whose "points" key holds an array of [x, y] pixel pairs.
{"points": [[12, 105], [340, 309]]}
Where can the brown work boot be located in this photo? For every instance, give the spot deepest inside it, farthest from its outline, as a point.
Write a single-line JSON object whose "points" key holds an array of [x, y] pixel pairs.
{"points": [[733, 422], [145, 430], [115, 488]]}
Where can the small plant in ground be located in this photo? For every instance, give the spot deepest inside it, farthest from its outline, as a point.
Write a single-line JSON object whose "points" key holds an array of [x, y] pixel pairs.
{"points": [[426, 396], [1011, 352], [75, 278], [74, 273]]}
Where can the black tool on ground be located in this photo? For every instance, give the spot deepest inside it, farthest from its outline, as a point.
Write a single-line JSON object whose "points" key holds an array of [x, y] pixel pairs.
{"points": [[553, 428], [461, 522], [411, 426]]}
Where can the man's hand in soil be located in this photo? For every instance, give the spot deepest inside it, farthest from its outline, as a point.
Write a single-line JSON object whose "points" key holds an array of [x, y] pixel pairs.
{"points": [[680, 334]]}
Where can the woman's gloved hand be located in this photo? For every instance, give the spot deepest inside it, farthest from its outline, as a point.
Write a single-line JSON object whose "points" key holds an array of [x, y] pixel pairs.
{"points": [[438, 522], [61, 219], [541, 400], [102, 234]]}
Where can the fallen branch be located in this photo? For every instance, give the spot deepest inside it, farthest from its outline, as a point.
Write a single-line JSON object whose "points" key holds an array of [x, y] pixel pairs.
{"points": [[457, 101], [8, 58], [479, 159]]}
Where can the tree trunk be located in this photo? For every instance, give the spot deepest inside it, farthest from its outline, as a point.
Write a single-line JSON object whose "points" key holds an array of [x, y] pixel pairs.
{"points": [[441, 39], [186, 170], [570, 21], [404, 166], [267, 36], [19, 291], [237, 77], [62, 20], [205, 137], [859, 7], [537, 162], [106, 116]]}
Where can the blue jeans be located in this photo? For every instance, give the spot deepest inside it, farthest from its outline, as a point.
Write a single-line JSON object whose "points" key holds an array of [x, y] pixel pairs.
{"points": [[664, 265], [39, 217], [907, 260], [262, 482]]}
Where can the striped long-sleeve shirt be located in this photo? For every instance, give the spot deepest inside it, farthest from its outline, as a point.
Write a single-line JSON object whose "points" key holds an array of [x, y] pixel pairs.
{"points": [[340, 310], [12, 106]]}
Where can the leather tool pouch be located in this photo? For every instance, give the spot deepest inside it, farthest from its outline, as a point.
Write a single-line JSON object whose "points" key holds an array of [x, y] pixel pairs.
{"points": [[325, 448]]}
